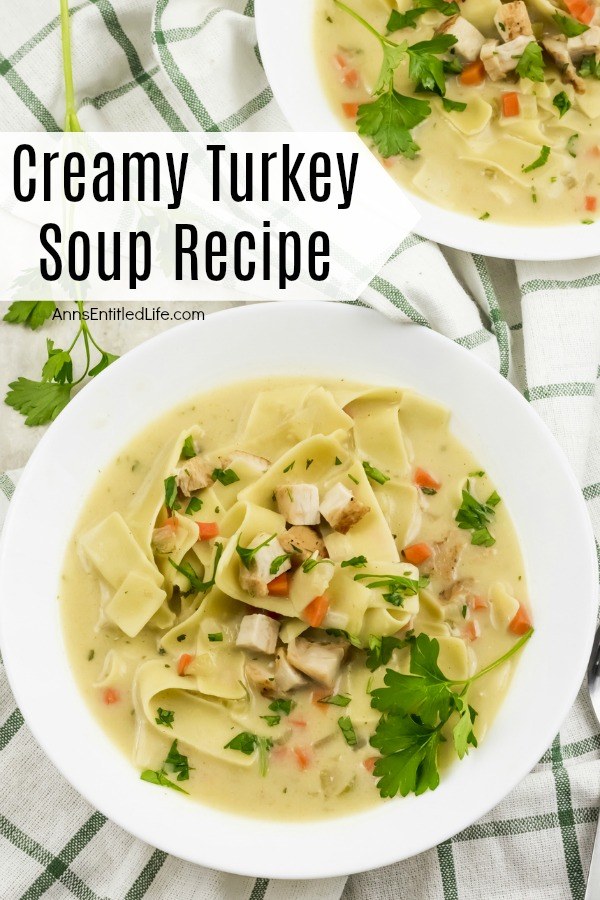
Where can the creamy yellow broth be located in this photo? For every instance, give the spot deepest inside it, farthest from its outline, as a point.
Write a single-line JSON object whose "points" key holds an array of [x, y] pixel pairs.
{"points": [[310, 771], [473, 161]]}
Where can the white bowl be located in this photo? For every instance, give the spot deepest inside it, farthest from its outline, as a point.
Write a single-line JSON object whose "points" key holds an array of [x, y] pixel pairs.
{"points": [[508, 439], [286, 40]]}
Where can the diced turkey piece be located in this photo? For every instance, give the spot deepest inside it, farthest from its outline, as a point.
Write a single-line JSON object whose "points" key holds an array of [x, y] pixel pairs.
{"points": [[321, 662], [556, 47], [258, 633], [341, 509], [298, 503], [302, 542], [163, 539], [469, 40], [260, 675], [584, 44], [512, 20], [194, 475], [260, 463], [256, 579], [287, 678], [499, 59]]}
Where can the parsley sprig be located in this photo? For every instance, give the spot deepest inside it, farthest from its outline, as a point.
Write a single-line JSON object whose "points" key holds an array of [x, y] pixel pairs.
{"points": [[400, 586], [197, 586], [476, 516], [177, 762], [247, 743], [409, 19]]}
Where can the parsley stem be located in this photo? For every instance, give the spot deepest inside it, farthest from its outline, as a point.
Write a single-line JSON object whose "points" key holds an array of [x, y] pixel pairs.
{"points": [[367, 25], [71, 120], [497, 662]]}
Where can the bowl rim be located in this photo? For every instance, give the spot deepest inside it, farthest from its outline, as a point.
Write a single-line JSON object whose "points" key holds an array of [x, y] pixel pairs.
{"points": [[291, 26], [365, 855]]}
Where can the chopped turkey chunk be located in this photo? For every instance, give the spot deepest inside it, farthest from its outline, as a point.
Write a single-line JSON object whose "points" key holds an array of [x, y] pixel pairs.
{"points": [[260, 463], [302, 542], [469, 40], [512, 20], [194, 475], [287, 678], [163, 539], [256, 579], [321, 662], [298, 503], [584, 44], [258, 632], [556, 47], [499, 59], [341, 509], [261, 675]]}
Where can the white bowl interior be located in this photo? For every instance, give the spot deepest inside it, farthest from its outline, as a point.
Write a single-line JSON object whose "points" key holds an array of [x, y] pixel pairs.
{"points": [[508, 439], [286, 40]]}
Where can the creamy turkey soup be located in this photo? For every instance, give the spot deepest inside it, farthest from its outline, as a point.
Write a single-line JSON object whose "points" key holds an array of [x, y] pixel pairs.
{"points": [[293, 599], [486, 108]]}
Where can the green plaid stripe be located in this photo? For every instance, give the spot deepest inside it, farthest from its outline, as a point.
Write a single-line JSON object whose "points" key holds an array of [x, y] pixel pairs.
{"points": [[554, 284], [552, 391], [567, 822]]}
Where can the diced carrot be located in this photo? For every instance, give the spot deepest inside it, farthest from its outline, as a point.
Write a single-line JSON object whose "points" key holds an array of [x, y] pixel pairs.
{"points": [[424, 480], [510, 104], [473, 74], [184, 662], [369, 763], [350, 78], [316, 611], [472, 630], [279, 751], [340, 61], [280, 586], [208, 530], [417, 553], [319, 694], [581, 10], [591, 203], [521, 623], [110, 696], [297, 723], [594, 151], [350, 110], [171, 522], [476, 601], [303, 758]]}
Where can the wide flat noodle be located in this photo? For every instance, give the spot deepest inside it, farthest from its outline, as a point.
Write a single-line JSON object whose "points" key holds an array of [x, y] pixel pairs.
{"points": [[114, 551], [135, 602]]}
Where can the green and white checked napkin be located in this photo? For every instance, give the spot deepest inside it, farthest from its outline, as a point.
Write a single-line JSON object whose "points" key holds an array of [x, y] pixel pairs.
{"points": [[194, 65]]}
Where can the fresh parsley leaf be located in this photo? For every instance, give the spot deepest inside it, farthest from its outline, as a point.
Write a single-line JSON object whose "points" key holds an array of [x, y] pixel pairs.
{"points": [[347, 729], [531, 63], [401, 586], [59, 365], [160, 778], [357, 562], [389, 119], [338, 461], [427, 696], [475, 516], [570, 27], [215, 637], [247, 554], [247, 743], [336, 700], [571, 146], [409, 760], [375, 474], [278, 562], [589, 67], [425, 67], [165, 717], [171, 493], [381, 649], [106, 359], [540, 161], [290, 467], [281, 705], [178, 762], [225, 476], [194, 506], [409, 18], [196, 585], [272, 720], [188, 451], [309, 463], [562, 103], [311, 563], [339, 632], [39, 401], [31, 313], [453, 106], [352, 478], [482, 538], [462, 732]]}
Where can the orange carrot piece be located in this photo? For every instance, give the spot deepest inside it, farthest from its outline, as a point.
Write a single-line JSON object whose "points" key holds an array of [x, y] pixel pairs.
{"points": [[297, 723], [184, 662], [416, 554], [580, 10], [316, 611], [319, 694], [280, 586], [303, 758], [369, 763], [473, 74], [110, 696], [510, 104], [340, 61], [171, 522], [423, 479], [208, 530], [476, 601], [521, 623], [350, 78], [591, 203], [472, 630], [350, 110]]}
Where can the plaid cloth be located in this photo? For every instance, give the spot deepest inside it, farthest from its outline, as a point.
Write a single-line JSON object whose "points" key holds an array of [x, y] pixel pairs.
{"points": [[194, 64]]}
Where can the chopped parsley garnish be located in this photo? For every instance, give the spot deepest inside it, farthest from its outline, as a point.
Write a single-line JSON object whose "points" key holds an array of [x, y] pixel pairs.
{"points": [[247, 554], [338, 461], [309, 463], [463, 611], [357, 562], [281, 705], [196, 585], [589, 67], [352, 478], [247, 743], [336, 700], [453, 105], [408, 19], [91, 655], [339, 632], [278, 562], [425, 67], [272, 720], [375, 474], [159, 777], [194, 506], [531, 63], [414, 710], [540, 161], [569, 27], [215, 637], [181, 637], [476, 516], [290, 467], [165, 717], [225, 476], [179, 764], [428, 490], [171, 501], [482, 218], [347, 729], [571, 145], [309, 564], [188, 451], [381, 649], [401, 586], [478, 474]]}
